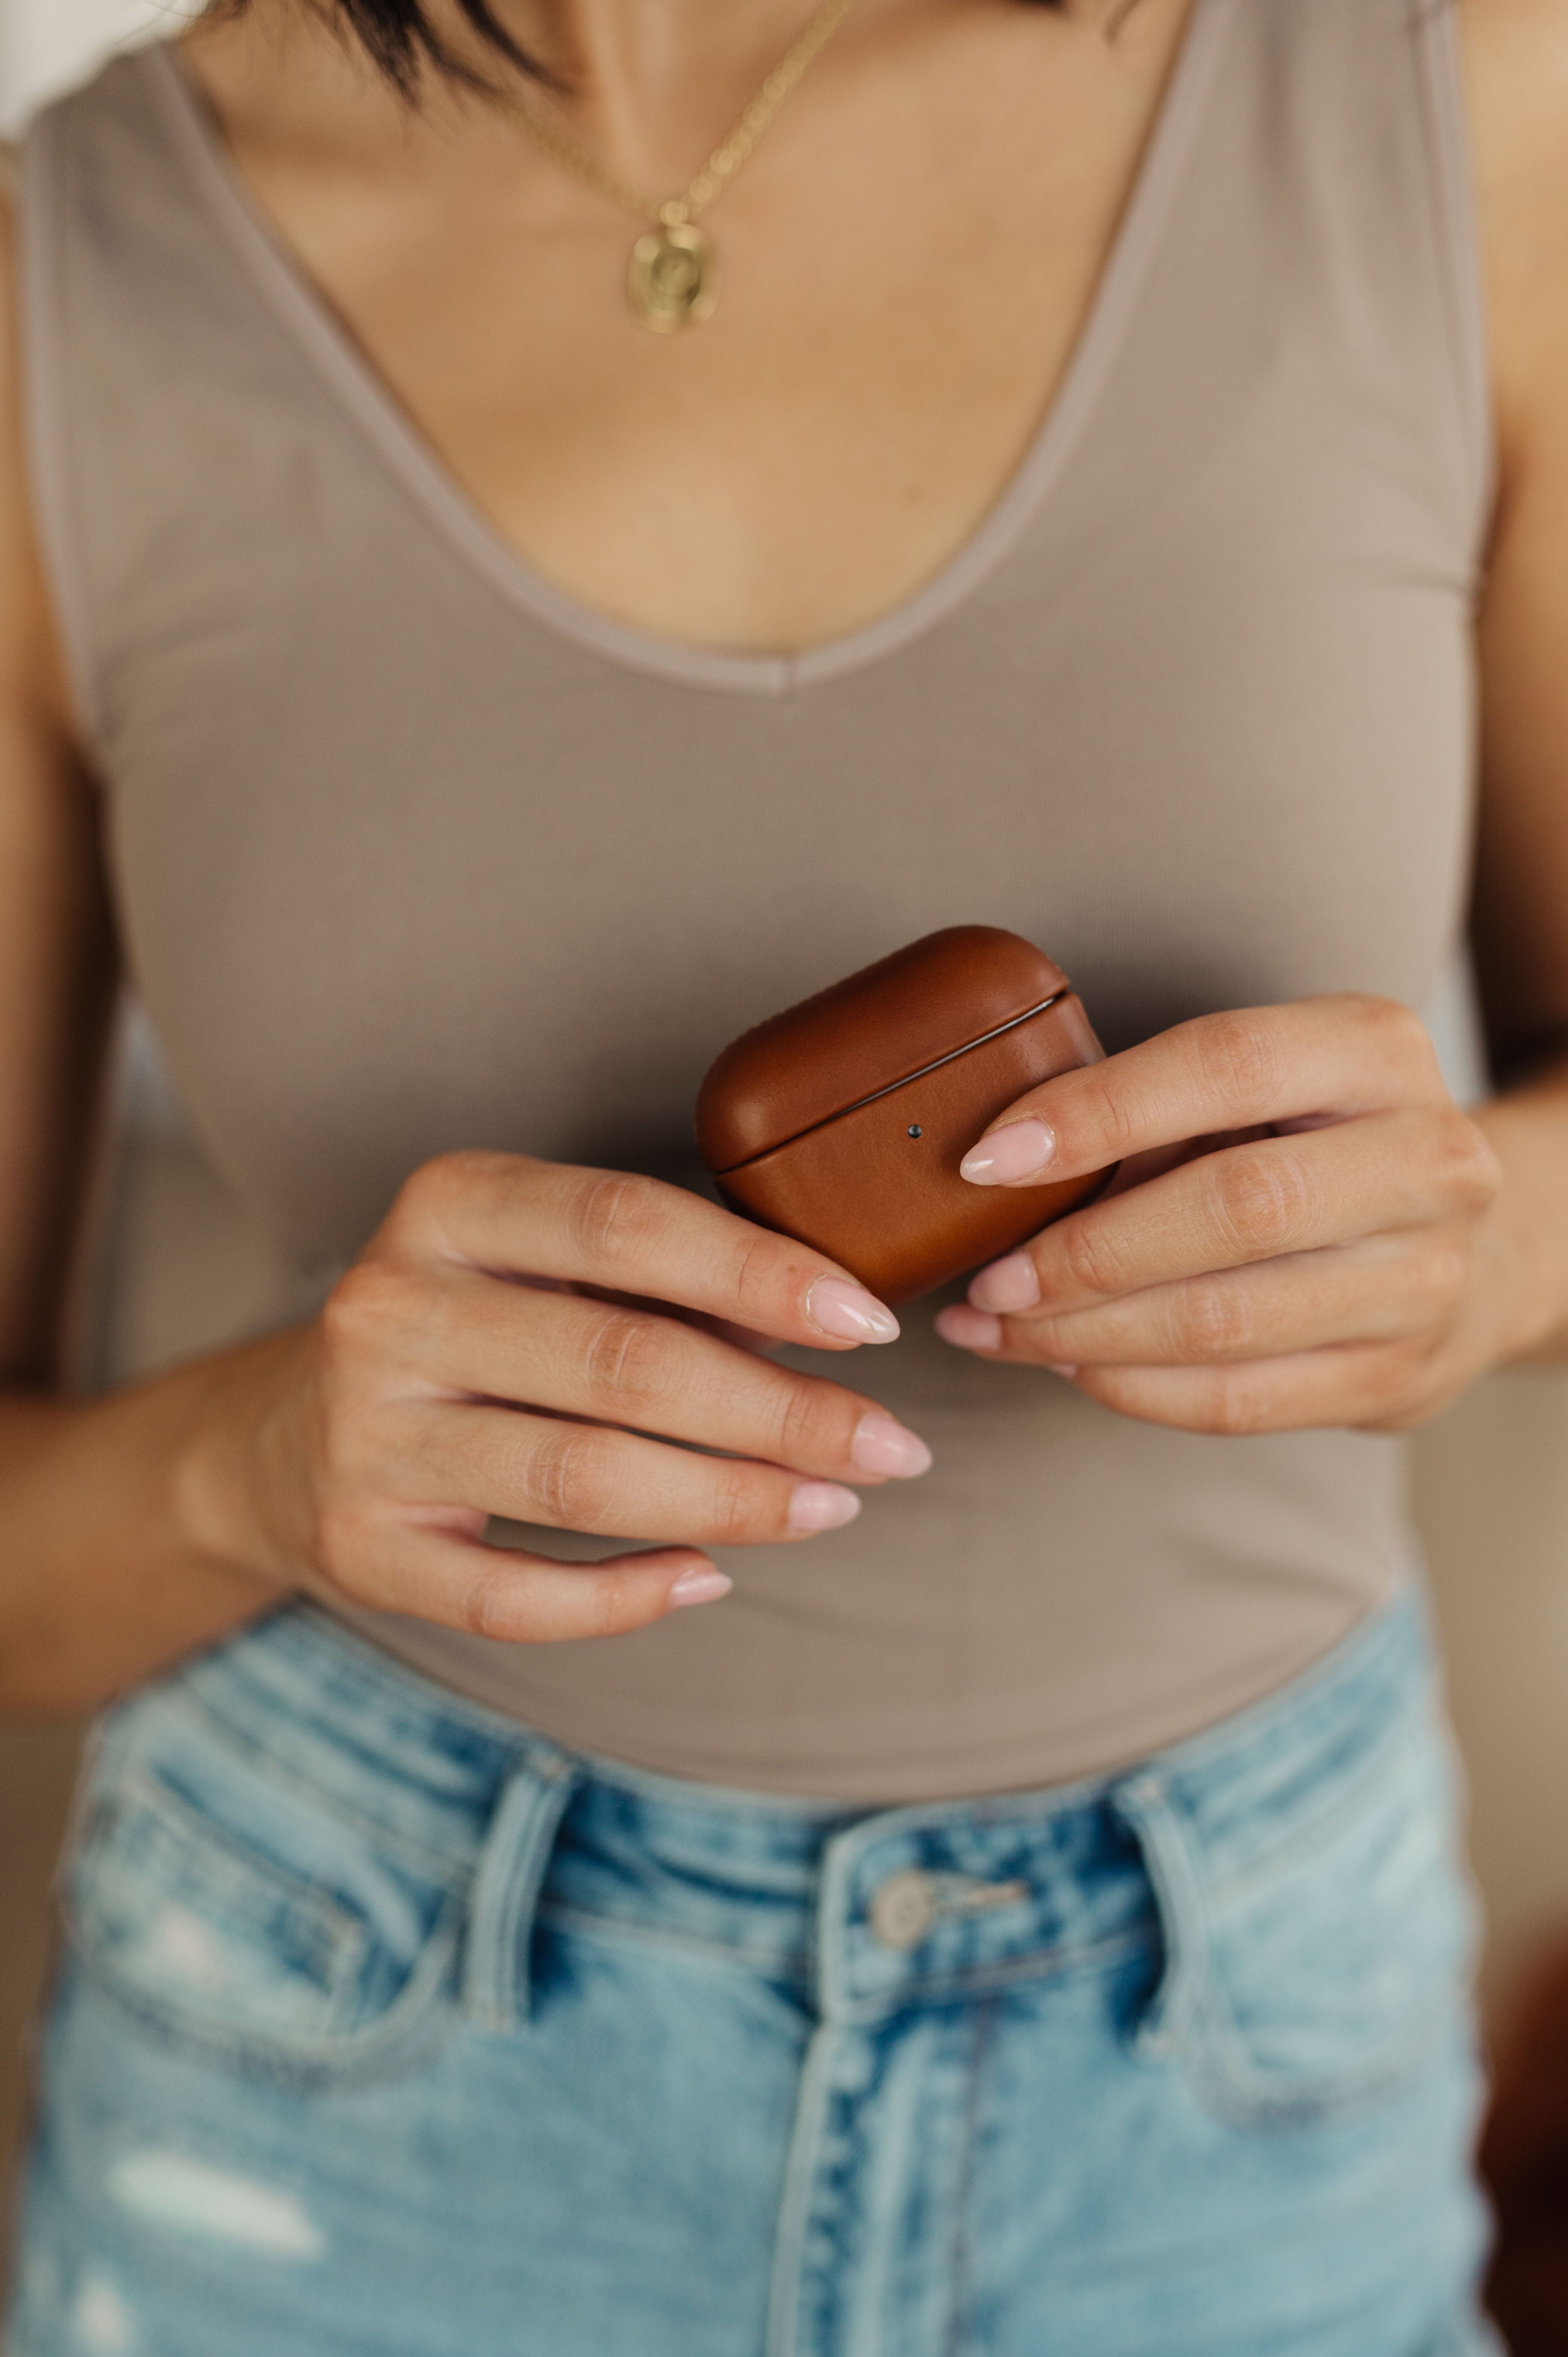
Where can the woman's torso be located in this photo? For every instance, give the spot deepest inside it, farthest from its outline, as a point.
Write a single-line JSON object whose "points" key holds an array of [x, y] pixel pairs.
{"points": [[413, 851]]}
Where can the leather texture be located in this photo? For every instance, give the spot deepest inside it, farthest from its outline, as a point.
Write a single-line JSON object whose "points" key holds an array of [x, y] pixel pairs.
{"points": [[876, 1187], [882, 1025]]}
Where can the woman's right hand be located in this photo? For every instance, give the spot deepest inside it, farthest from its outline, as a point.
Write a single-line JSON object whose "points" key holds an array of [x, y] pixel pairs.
{"points": [[458, 1373]]}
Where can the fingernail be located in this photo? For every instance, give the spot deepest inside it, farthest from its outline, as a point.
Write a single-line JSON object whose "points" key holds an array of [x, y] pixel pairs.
{"points": [[1006, 1284], [1060, 1367], [1019, 1150], [972, 1329], [699, 1585], [821, 1506], [837, 1306], [881, 1445]]}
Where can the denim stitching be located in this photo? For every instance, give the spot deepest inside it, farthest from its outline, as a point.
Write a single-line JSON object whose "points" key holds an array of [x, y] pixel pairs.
{"points": [[341, 1809], [1205, 2035], [1306, 1832], [408, 2026], [345, 1932], [959, 2259], [504, 1892]]}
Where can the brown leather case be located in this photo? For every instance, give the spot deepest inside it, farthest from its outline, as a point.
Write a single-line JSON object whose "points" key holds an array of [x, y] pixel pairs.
{"points": [[842, 1121]]}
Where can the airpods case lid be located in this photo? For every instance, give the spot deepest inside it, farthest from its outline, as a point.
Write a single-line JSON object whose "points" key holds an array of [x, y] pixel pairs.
{"points": [[929, 1001], [843, 1122]]}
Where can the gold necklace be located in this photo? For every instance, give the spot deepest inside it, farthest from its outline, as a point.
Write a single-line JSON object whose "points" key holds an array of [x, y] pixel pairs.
{"points": [[671, 278]]}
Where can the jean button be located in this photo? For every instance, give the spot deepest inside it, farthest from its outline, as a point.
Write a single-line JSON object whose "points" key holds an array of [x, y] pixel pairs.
{"points": [[903, 1909]]}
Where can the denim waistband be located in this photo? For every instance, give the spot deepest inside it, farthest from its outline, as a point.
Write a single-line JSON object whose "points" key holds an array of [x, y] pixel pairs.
{"points": [[866, 1909]]}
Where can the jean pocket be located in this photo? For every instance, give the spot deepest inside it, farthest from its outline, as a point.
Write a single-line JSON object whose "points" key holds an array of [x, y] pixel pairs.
{"points": [[1329, 1972], [242, 1914]]}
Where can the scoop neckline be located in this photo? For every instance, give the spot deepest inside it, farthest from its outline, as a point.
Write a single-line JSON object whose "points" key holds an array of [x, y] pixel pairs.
{"points": [[306, 312]]}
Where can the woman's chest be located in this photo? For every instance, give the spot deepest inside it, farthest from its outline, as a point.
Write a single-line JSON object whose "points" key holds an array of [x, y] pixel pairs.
{"points": [[903, 268]]}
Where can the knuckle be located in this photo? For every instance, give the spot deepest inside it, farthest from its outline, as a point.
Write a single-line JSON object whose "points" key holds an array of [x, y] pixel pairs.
{"points": [[1243, 1057], [1234, 1409], [492, 1606], [1091, 1256], [1101, 1110], [1260, 1197], [417, 1198], [1474, 1172], [570, 1478], [367, 1307], [1401, 1029], [730, 1516], [428, 1194], [626, 1362], [1212, 1319], [612, 1604], [814, 1427], [615, 1216], [767, 1268]]}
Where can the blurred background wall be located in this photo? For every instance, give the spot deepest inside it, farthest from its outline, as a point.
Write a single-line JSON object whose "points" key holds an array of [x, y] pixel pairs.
{"points": [[46, 44], [181, 1265]]}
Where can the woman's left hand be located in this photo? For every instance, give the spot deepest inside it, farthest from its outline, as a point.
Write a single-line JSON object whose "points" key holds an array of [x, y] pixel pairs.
{"points": [[1303, 1229]]}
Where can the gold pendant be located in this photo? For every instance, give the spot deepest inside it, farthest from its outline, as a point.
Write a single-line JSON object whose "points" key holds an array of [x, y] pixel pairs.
{"points": [[671, 278]]}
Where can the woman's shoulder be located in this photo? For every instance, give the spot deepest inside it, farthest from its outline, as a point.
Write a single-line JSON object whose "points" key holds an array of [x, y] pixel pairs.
{"points": [[1516, 69], [1516, 75]]}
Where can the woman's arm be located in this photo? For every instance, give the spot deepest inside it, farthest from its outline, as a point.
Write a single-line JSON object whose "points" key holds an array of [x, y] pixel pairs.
{"points": [[1516, 56], [94, 1586], [1352, 1249]]}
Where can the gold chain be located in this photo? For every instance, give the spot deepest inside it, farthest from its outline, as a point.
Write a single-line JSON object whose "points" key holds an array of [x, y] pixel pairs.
{"points": [[674, 212]]}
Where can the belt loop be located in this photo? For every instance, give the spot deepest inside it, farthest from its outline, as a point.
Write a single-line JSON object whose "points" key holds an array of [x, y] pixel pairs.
{"points": [[505, 1889], [1144, 1806]]}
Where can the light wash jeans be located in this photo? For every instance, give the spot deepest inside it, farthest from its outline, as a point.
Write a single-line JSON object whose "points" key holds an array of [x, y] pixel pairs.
{"points": [[384, 2027]]}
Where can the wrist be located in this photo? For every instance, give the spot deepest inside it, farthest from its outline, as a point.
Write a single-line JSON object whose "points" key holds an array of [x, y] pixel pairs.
{"points": [[232, 1477], [1524, 1256]]}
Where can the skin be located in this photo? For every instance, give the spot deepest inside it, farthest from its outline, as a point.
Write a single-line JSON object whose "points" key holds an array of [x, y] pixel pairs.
{"points": [[1306, 1230]]}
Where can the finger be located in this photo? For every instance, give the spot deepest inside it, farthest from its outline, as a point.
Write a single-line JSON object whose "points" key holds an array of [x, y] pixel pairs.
{"points": [[525, 1599], [1319, 1058], [630, 1366], [585, 1477], [1248, 1203], [1375, 1386], [510, 1215], [1382, 1290]]}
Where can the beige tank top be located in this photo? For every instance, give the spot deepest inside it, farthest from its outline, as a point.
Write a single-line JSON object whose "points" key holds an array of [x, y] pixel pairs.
{"points": [[413, 852]]}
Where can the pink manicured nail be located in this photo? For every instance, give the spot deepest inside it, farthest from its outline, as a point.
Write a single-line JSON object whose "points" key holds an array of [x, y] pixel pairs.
{"points": [[1019, 1150], [699, 1585], [821, 1506], [970, 1329], [848, 1312], [1006, 1284], [1060, 1367], [881, 1445]]}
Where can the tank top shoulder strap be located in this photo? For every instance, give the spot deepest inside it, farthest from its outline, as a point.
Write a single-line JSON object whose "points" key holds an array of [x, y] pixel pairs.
{"points": [[153, 381], [1361, 104]]}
